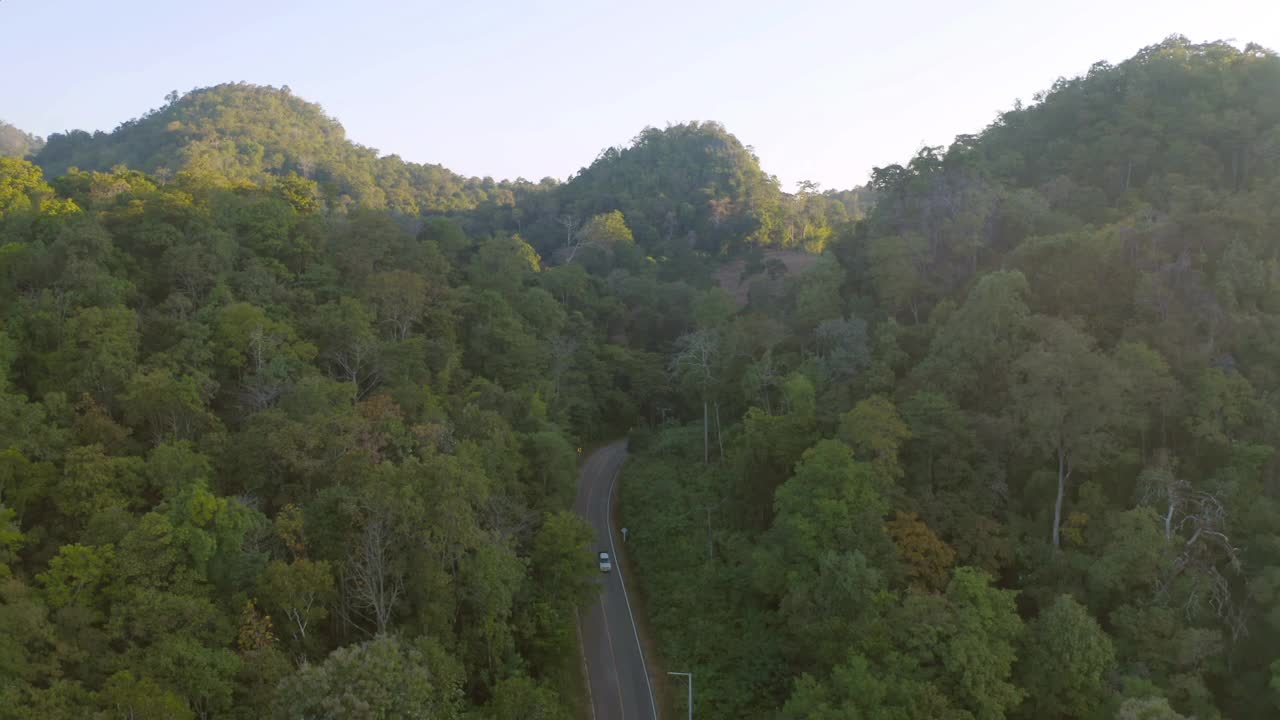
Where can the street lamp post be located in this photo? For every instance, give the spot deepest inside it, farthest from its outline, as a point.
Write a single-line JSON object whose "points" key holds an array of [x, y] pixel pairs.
{"points": [[689, 676]]}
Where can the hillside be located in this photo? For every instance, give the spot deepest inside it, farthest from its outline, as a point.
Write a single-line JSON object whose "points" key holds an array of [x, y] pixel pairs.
{"points": [[291, 429], [248, 132], [696, 185], [1009, 450], [687, 187], [16, 143]]}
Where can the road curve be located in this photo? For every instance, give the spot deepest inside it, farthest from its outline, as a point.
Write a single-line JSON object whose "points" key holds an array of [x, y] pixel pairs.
{"points": [[617, 677]]}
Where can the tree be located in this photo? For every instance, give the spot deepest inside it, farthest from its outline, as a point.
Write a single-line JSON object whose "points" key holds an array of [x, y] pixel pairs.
{"points": [[373, 577], [1065, 662], [695, 364], [21, 185], [858, 689], [942, 438], [11, 538], [519, 698], [346, 340], [167, 408], [981, 646], [382, 678], [874, 430], [601, 231], [91, 481], [972, 350], [15, 143], [560, 580], [926, 558], [831, 502], [261, 354], [78, 575], [828, 606], [100, 352], [898, 279], [401, 299], [503, 264], [818, 294], [1147, 386], [1152, 708], [126, 695], [1064, 396], [843, 348], [770, 447], [301, 590]]}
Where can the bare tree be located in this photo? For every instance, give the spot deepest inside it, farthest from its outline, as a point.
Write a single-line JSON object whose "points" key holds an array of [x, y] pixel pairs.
{"points": [[1196, 523], [401, 299], [357, 363], [721, 209], [694, 362], [570, 223], [263, 385], [371, 578], [562, 349], [761, 377]]}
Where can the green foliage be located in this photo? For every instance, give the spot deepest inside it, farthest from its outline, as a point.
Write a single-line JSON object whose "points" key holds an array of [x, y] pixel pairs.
{"points": [[693, 181], [519, 698], [383, 677], [832, 501], [1058, 371], [234, 385], [126, 695], [857, 690], [1066, 660], [246, 132], [876, 432], [980, 646], [287, 426]]}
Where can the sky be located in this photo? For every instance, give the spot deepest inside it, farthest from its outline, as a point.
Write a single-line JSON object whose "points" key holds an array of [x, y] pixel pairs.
{"points": [[823, 91]]}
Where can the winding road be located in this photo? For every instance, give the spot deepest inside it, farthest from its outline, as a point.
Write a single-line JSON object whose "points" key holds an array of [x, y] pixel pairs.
{"points": [[617, 677]]}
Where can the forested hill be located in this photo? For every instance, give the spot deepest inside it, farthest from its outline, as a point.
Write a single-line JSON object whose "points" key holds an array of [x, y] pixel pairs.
{"points": [[1010, 448], [247, 132], [696, 184], [686, 187], [1171, 146], [289, 430], [16, 143]]}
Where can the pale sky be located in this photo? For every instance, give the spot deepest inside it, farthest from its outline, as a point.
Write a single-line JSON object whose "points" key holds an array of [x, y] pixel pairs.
{"points": [[822, 90]]}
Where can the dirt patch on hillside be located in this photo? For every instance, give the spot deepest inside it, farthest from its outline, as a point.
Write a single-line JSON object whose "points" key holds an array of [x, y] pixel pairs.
{"points": [[730, 276]]}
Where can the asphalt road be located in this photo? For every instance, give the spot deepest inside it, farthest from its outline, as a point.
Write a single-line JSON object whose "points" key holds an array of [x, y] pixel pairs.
{"points": [[617, 676]]}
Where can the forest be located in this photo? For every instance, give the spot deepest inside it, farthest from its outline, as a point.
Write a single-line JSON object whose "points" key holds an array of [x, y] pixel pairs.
{"points": [[290, 428]]}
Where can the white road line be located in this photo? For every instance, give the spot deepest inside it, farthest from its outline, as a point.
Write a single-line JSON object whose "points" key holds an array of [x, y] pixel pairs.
{"points": [[613, 657], [586, 669], [653, 706]]}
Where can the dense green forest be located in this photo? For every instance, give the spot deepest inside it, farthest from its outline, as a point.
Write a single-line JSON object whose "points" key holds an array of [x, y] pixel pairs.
{"points": [[268, 452], [1009, 449], [289, 428]]}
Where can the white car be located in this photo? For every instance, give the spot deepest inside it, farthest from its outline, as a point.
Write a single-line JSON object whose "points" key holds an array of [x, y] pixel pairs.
{"points": [[605, 563]]}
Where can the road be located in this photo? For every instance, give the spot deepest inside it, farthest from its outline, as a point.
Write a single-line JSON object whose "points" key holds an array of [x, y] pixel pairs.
{"points": [[618, 680]]}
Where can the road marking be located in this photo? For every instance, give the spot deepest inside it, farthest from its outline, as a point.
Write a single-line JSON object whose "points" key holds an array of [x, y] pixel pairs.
{"points": [[608, 518], [586, 669], [622, 706]]}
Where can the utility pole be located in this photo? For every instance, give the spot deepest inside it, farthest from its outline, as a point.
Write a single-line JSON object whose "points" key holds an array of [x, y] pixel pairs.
{"points": [[689, 676]]}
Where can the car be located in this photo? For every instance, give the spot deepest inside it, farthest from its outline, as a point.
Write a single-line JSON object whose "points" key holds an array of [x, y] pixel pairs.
{"points": [[605, 563]]}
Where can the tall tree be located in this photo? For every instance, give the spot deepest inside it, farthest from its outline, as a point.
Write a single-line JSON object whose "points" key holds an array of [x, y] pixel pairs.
{"points": [[1064, 395]]}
